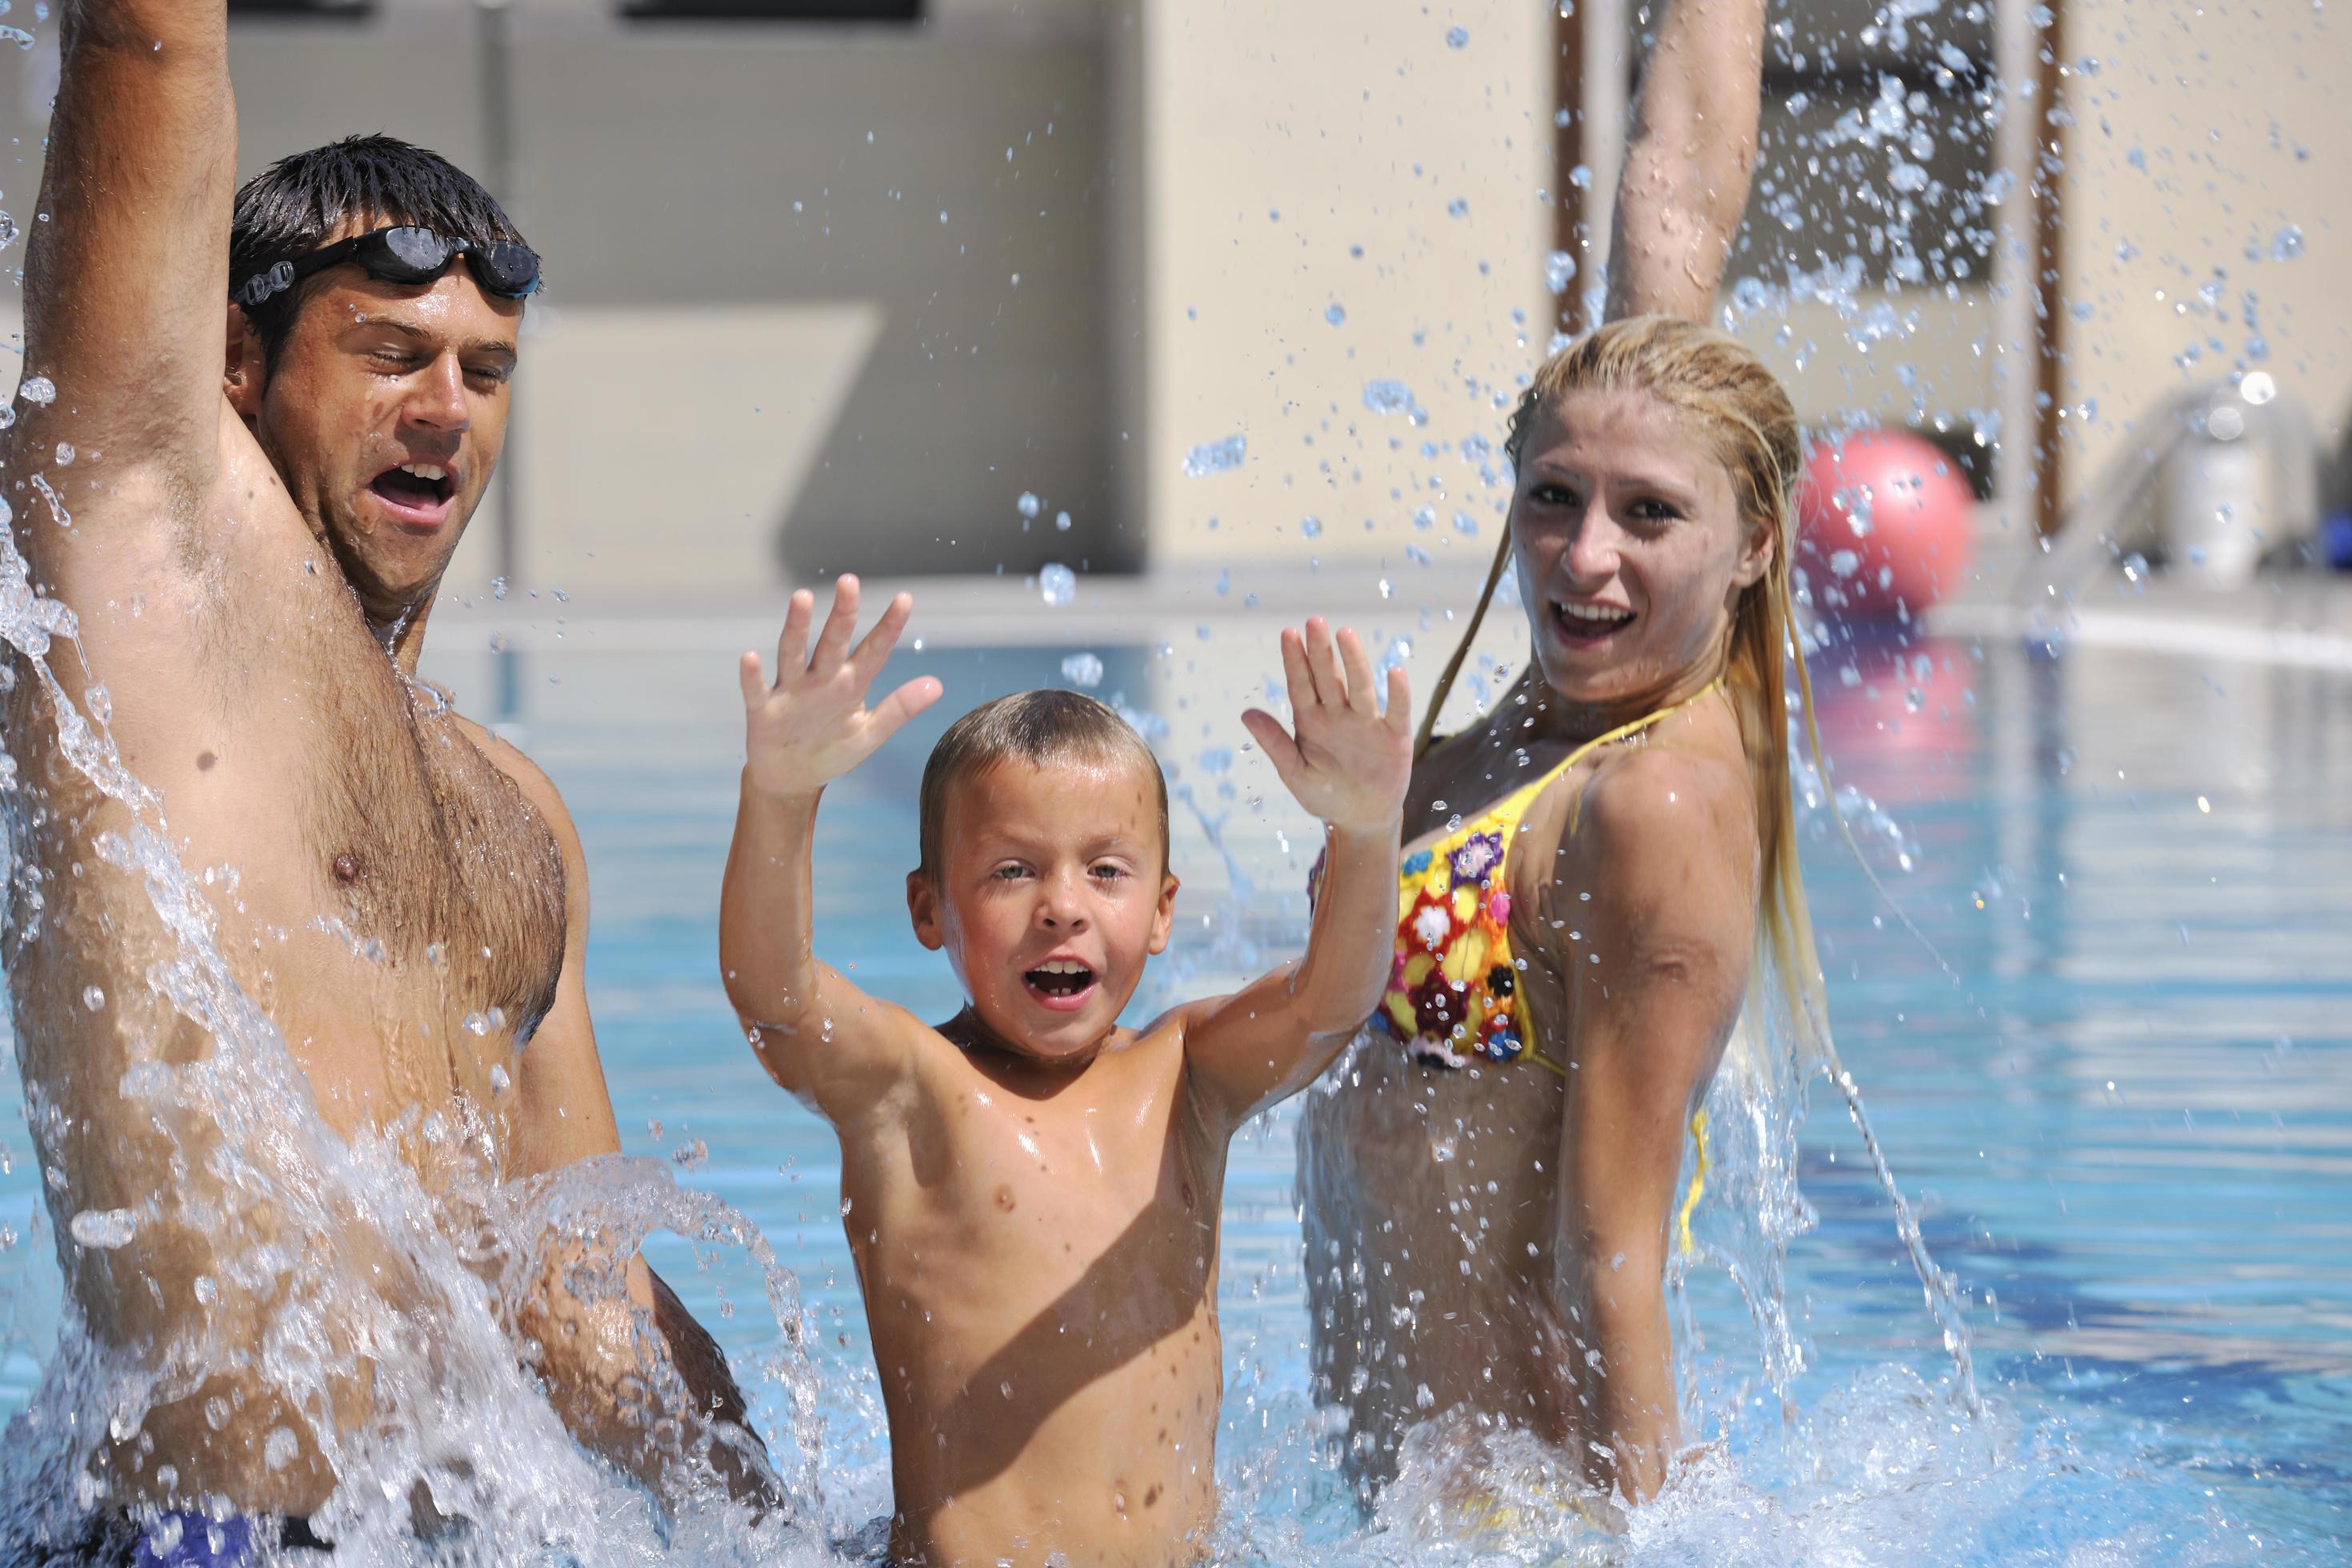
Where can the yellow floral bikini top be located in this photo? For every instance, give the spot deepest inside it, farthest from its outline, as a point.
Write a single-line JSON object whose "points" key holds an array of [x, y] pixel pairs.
{"points": [[1454, 995]]}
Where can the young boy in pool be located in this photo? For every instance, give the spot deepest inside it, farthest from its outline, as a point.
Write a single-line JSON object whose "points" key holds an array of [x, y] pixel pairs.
{"points": [[1031, 1190]]}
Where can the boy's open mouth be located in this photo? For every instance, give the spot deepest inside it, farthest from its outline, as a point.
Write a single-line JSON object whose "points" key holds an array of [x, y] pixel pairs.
{"points": [[1060, 982]]}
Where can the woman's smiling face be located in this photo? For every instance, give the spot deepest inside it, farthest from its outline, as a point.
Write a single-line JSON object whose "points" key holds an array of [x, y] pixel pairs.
{"points": [[1629, 549]]}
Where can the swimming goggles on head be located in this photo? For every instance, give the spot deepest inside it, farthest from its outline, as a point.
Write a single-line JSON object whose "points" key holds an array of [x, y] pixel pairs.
{"points": [[405, 253]]}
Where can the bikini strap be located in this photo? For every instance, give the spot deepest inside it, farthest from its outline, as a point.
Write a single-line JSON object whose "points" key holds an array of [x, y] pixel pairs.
{"points": [[1618, 733]]}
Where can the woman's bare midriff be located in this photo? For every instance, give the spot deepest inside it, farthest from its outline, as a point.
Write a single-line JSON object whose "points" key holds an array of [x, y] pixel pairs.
{"points": [[1429, 1244]]}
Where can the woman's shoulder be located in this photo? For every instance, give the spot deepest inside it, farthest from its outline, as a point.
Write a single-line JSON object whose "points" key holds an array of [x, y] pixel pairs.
{"points": [[1664, 805]]}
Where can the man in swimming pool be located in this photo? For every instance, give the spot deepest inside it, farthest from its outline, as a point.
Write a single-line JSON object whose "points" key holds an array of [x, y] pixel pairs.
{"points": [[271, 466], [1031, 1190]]}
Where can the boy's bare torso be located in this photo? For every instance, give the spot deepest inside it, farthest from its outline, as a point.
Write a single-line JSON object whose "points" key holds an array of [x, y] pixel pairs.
{"points": [[1038, 1254], [383, 886]]}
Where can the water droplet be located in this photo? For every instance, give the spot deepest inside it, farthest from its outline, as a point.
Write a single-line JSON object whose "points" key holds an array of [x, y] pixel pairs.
{"points": [[1056, 584], [498, 587], [66, 454], [1388, 396], [93, 997], [1083, 670], [1216, 456], [1028, 505], [475, 1024], [2287, 244], [8, 231], [40, 389], [1458, 207], [1559, 269], [216, 1413], [277, 1450], [103, 1228], [1457, 37], [498, 1079], [498, 642], [1464, 523], [1334, 313], [1311, 527], [1061, 523]]}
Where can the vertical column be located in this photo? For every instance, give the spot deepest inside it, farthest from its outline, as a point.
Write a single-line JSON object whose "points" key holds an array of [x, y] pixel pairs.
{"points": [[2026, 309]]}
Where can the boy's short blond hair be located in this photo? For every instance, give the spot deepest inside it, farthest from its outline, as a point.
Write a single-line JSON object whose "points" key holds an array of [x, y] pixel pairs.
{"points": [[1038, 727]]}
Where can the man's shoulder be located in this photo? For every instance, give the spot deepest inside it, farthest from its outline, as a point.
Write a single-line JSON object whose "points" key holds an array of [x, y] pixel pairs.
{"points": [[527, 776]]}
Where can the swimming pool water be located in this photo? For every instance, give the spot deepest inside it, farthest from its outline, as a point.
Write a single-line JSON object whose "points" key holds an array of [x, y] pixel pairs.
{"points": [[2125, 1112]]}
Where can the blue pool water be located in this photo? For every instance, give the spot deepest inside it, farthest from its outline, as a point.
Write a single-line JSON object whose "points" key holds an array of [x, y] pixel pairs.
{"points": [[2127, 1121]]}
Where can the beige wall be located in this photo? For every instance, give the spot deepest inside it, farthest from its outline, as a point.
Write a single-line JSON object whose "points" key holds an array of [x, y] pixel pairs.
{"points": [[1277, 138], [2201, 134], [721, 384]]}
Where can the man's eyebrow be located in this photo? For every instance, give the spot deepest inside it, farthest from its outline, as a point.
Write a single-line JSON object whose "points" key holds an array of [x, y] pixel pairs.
{"points": [[415, 333]]}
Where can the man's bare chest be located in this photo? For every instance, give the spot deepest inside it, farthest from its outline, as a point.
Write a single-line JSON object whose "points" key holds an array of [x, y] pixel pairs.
{"points": [[425, 857]]}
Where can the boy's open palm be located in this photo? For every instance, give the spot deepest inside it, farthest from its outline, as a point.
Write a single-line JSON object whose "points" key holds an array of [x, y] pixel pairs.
{"points": [[813, 725], [1349, 762]]}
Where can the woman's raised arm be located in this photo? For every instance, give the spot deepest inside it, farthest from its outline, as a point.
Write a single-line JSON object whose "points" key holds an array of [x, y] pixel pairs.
{"points": [[1688, 159]]}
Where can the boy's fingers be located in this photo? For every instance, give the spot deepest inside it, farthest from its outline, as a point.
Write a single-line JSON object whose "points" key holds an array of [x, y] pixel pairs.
{"points": [[1274, 740], [755, 685], [1330, 684], [1295, 670], [834, 641], [1362, 693], [1399, 716], [874, 651], [792, 643], [904, 704]]}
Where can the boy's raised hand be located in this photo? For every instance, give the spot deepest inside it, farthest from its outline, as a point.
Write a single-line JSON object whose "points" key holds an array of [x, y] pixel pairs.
{"points": [[1348, 763], [813, 725]]}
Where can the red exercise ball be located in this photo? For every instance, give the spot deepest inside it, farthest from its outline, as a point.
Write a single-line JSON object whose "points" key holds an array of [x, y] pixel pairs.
{"points": [[1884, 519]]}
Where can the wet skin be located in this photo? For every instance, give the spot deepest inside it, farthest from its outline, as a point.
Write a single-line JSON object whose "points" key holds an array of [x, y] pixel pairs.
{"points": [[1497, 1235], [253, 590], [1031, 1192]]}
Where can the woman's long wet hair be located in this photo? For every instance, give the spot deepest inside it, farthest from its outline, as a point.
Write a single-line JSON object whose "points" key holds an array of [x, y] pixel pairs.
{"points": [[1725, 394]]}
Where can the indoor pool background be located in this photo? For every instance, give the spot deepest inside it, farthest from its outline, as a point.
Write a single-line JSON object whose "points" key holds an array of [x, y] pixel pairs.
{"points": [[2127, 1124]]}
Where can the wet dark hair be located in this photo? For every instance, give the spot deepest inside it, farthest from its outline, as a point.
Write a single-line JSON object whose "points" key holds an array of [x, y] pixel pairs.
{"points": [[294, 205], [1038, 727]]}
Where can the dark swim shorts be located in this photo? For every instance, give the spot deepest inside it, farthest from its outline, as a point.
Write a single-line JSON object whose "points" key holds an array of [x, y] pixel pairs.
{"points": [[181, 1538]]}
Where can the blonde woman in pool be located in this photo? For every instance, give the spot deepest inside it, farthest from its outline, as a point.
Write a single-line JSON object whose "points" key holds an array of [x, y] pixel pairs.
{"points": [[1490, 1179]]}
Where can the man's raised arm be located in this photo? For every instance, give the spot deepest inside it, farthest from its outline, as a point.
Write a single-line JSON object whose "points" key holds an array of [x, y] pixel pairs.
{"points": [[1690, 160], [126, 280]]}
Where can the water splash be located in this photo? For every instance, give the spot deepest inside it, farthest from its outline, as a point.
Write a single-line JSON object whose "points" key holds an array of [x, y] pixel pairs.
{"points": [[377, 1264], [1216, 456]]}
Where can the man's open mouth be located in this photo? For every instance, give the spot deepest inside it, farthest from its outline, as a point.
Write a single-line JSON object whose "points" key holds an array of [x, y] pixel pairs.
{"points": [[418, 491], [1588, 623], [1061, 982]]}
